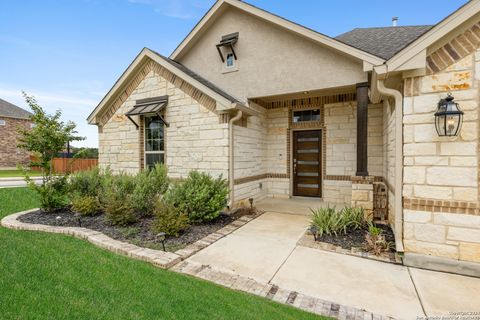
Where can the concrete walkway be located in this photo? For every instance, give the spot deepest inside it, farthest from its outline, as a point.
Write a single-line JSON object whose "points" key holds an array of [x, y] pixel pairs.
{"points": [[14, 182], [266, 250]]}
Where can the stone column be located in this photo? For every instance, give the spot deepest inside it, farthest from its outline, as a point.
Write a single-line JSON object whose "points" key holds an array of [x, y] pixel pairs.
{"points": [[362, 129], [362, 194]]}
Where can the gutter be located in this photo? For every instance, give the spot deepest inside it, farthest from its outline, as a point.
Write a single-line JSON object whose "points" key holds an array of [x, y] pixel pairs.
{"points": [[398, 160], [231, 176]]}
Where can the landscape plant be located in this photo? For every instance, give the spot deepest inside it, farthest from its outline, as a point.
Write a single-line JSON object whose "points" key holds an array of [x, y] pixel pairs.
{"points": [[116, 199], [149, 186], [169, 219], [375, 241], [47, 136], [329, 221], [200, 196]]}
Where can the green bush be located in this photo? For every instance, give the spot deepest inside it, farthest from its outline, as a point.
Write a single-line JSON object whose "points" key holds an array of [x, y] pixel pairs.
{"points": [[86, 205], [169, 219], [52, 193], [87, 183], [200, 196], [331, 222], [116, 199], [149, 185]]}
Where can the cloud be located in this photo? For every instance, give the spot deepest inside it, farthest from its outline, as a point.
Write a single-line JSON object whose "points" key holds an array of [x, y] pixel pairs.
{"points": [[180, 9]]}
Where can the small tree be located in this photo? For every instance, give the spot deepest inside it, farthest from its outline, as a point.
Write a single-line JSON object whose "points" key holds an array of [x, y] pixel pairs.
{"points": [[48, 136]]}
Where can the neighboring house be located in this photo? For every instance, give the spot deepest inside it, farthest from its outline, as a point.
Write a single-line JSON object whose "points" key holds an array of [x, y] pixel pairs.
{"points": [[12, 118], [281, 110]]}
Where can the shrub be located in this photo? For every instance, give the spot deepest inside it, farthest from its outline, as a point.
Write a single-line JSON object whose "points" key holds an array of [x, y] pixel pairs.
{"points": [[86, 183], [375, 241], [116, 199], [353, 217], [200, 196], [169, 219], [148, 186], [86, 205], [52, 193], [84, 189], [331, 222]]}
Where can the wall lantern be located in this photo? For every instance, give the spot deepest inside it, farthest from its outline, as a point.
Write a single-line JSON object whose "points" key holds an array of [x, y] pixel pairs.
{"points": [[448, 118]]}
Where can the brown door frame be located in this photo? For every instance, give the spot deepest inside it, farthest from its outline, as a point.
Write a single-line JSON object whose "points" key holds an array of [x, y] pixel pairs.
{"points": [[292, 155]]}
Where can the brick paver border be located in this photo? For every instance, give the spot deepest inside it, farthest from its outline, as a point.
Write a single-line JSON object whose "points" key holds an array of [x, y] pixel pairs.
{"points": [[161, 259], [275, 293]]}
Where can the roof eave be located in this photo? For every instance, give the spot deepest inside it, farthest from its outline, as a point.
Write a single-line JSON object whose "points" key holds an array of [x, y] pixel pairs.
{"points": [[141, 57]]}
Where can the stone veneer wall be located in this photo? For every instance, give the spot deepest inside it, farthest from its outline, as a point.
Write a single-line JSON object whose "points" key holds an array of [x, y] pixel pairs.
{"points": [[389, 156], [441, 174], [10, 155], [195, 139], [341, 132], [250, 155]]}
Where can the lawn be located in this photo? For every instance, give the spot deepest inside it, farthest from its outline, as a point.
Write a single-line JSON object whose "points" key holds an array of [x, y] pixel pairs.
{"points": [[49, 276], [17, 173]]}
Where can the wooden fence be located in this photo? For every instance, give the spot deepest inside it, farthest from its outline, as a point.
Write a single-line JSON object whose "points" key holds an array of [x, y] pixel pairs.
{"points": [[64, 165]]}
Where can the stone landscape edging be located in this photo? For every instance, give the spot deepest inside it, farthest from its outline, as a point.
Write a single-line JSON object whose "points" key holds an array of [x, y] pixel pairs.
{"points": [[307, 241], [158, 258]]}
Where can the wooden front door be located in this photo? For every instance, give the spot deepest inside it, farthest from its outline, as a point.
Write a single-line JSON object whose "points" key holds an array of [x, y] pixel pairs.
{"points": [[307, 163]]}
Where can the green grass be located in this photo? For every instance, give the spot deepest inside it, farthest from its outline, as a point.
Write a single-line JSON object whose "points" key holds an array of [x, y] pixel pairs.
{"points": [[17, 173], [49, 276]]}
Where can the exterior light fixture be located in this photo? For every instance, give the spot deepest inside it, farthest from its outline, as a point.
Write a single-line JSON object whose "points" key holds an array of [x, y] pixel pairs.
{"points": [[448, 118], [161, 237]]}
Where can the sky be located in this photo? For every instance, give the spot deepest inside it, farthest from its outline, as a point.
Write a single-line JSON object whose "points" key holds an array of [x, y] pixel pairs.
{"points": [[69, 53]]}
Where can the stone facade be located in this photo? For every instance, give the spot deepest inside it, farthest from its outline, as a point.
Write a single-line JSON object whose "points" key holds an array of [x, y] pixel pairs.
{"points": [[441, 189], [10, 154], [195, 138]]}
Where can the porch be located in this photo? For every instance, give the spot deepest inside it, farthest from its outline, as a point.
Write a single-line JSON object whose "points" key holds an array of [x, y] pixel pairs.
{"points": [[329, 146]]}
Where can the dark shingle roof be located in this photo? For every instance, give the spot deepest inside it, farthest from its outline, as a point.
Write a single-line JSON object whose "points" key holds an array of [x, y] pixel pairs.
{"points": [[200, 79], [383, 42], [12, 111]]}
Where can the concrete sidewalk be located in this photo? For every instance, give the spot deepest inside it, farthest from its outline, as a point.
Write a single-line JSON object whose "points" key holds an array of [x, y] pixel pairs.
{"points": [[266, 250], [13, 182]]}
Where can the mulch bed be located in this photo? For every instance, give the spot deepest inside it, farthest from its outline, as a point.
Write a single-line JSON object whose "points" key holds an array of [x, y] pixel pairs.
{"points": [[138, 233], [356, 238]]}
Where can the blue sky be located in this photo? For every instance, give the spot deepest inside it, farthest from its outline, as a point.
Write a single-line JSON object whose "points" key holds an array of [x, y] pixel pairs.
{"points": [[69, 53]]}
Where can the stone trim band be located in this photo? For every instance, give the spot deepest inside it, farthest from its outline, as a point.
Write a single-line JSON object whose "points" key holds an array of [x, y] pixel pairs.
{"points": [[458, 207]]}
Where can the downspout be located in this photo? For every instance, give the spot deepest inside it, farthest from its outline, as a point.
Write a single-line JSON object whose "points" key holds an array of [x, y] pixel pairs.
{"points": [[398, 160], [231, 176]]}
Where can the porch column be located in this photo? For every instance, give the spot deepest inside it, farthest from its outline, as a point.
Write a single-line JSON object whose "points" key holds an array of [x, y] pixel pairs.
{"points": [[362, 129]]}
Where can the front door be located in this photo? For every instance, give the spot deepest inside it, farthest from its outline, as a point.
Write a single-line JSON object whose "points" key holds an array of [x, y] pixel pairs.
{"points": [[307, 163]]}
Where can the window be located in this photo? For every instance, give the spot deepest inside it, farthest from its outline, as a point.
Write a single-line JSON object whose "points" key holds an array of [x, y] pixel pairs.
{"points": [[32, 125], [306, 115], [3, 122], [230, 62], [154, 141]]}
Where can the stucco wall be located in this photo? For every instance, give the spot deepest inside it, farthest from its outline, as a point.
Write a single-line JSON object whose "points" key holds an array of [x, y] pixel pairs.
{"points": [[442, 171], [10, 154], [271, 60], [194, 140]]}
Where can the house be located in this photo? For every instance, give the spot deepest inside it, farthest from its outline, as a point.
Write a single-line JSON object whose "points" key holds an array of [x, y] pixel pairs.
{"points": [[282, 111], [11, 118]]}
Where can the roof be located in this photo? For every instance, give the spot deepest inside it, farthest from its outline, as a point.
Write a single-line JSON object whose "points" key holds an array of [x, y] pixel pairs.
{"points": [[10, 110], [176, 68], [200, 79], [383, 42], [313, 35]]}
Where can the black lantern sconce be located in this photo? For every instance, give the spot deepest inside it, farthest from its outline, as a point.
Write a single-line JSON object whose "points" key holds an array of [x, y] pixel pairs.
{"points": [[448, 118]]}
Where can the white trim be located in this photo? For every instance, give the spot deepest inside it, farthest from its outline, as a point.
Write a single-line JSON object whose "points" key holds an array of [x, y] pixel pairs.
{"points": [[291, 26]]}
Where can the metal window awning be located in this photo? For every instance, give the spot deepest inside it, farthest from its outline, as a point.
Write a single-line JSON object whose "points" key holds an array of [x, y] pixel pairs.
{"points": [[228, 41], [149, 106]]}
